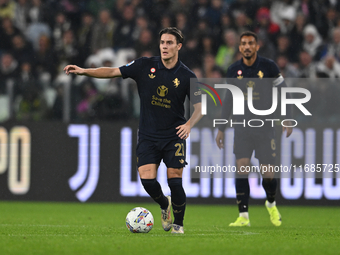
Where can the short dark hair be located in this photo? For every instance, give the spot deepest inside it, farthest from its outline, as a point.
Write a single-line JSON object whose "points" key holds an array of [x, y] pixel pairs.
{"points": [[173, 31], [248, 33]]}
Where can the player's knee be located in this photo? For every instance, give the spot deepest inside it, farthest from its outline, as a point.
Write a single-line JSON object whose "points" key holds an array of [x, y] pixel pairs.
{"points": [[147, 172], [175, 173]]}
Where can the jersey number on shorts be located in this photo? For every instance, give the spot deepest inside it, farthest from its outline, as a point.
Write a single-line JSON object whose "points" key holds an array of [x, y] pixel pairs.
{"points": [[180, 150]]}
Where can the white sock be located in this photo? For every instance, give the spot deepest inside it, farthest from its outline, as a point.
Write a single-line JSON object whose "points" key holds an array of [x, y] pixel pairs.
{"points": [[244, 215], [270, 205]]}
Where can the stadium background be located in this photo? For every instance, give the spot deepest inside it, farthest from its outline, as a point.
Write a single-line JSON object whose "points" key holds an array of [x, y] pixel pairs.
{"points": [[67, 138]]}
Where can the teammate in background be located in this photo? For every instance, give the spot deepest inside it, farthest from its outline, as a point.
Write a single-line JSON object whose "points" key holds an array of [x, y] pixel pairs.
{"points": [[163, 83], [262, 75]]}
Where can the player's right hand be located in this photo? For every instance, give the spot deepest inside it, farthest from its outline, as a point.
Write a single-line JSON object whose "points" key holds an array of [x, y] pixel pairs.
{"points": [[74, 69], [220, 139]]}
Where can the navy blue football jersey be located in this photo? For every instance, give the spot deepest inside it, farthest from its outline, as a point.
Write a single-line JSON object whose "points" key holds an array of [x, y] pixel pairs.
{"points": [[162, 93], [262, 76]]}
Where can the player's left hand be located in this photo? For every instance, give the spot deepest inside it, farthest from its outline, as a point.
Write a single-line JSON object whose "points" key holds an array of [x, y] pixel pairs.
{"points": [[183, 131], [288, 129]]}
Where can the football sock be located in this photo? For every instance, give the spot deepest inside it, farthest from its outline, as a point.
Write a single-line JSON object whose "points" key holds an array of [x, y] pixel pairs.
{"points": [[178, 199], [271, 205], [270, 186], [244, 215], [242, 193], [153, 188]]}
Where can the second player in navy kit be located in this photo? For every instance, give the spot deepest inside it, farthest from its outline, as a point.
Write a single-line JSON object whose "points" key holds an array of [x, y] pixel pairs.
{"points": [[260, 74], [163, 83]]}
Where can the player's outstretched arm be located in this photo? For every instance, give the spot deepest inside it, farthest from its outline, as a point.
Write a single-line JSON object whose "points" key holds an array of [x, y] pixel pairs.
{"points": [[184, 130], [220, 139], [101, 72]]}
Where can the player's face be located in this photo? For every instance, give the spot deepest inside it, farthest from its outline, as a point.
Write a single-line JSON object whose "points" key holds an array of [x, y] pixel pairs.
{"points": [[248, 47], [168, 46]]}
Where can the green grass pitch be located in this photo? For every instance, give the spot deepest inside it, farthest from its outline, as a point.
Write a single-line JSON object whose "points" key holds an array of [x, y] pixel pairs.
{"points": [[94, 228]]}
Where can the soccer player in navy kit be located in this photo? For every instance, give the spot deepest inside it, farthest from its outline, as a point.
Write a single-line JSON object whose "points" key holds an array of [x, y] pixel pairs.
{"points": [[262, 75], [163, 83]]}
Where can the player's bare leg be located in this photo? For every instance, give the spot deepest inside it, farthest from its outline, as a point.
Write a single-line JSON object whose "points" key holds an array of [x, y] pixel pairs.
{"points": [[269, 184], [148, 175], [178, 198], [242, 193]]}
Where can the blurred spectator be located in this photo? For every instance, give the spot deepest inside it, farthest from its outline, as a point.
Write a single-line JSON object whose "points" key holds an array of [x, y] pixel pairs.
{"points": [[198, 71], [68, 52], [207, 44], [22, 50], [284, 47], [145, 43], [330, 66], [264, 24], [306, 66], [35, 31], [226, 22], [329, 22], [214, 14], [296, 34], [312, 42], [242, 22], [26, 79], [208, 65], [84, 35], [9, 70], [122, 37], [283, 13], [226, 52], [199, 10], [286, 69], [190, 52], [21, 15], [181, 6], [267, 48], [89, 95], [41, 13], [7, 32], [61, 25], [334, 45], [7, 8], [249, 8], [96, 6], [182, 22], [166, 21], [142, 23], [103, 31], [32, 106], [46, 61]]}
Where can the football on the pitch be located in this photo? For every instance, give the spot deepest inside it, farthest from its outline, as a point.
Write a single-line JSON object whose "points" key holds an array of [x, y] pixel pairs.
{"points": [[139, 220]]}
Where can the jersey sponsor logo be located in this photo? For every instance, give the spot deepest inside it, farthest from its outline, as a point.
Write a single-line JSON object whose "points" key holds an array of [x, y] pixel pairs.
{"points": [[129, 64], [151, 76], [176, 82], [260, 74], [162, 91], [181, 161]]}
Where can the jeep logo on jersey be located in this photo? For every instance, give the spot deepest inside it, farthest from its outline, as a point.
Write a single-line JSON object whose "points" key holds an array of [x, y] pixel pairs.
{"points": [[162, 91]]}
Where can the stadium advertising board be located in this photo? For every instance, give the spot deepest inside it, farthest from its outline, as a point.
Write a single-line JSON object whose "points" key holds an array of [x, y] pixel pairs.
{"points": [[51, 161]]}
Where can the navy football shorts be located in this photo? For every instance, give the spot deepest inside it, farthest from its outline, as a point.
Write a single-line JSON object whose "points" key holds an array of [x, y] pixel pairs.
{"points": [[264, 144], [172, 151]]}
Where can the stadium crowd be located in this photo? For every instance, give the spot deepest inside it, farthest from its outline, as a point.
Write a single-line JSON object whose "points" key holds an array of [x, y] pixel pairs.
{"points": [[38, 38]]}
